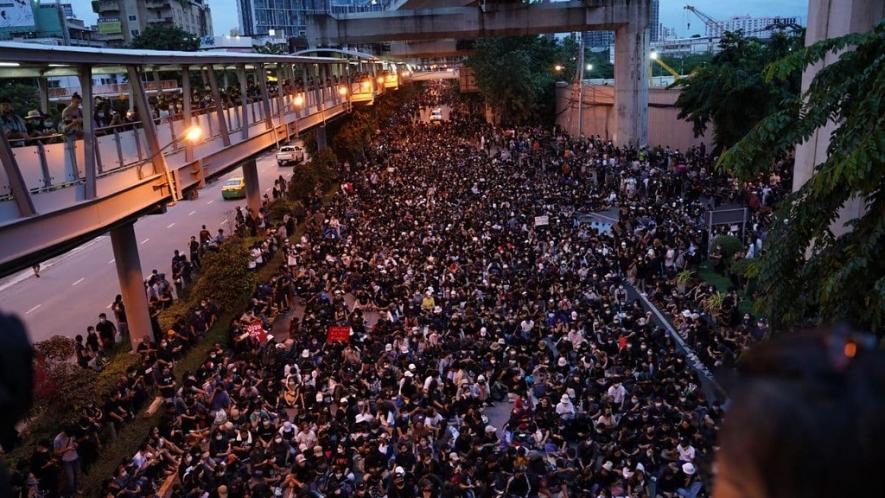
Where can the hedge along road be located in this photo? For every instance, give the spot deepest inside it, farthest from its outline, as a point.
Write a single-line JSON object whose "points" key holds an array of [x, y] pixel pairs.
{"points": [[75, 287]]}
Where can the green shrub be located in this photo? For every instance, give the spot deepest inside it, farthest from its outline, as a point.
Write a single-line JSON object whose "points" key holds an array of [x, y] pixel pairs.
{"points": [[729, 245], [225, 275]]}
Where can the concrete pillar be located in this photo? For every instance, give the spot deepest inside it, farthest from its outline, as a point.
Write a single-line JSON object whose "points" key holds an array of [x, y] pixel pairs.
{"points": [[321, 137], [131, 278], [253, 189], [89, 146], [828, 19], [631, 80]]}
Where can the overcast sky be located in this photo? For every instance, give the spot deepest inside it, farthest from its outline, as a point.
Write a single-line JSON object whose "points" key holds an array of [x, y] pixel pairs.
{"points": [[673, 15]]}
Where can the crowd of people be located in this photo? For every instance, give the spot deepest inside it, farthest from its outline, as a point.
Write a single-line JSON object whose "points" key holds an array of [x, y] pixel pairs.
{"points": [[456, 330]]}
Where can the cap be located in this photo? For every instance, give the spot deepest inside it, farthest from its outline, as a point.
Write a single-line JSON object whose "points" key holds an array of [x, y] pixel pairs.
{"points": [[689, 468]]}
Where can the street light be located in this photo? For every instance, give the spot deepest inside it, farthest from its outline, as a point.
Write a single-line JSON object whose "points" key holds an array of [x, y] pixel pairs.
{"points": [[192, 134], [557, 68], [342, 90], [299, 100], [589, 67], [653, 56]]}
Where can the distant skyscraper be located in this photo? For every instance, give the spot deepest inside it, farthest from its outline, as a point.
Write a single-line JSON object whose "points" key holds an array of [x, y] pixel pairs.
{"points": [[654, 21]]}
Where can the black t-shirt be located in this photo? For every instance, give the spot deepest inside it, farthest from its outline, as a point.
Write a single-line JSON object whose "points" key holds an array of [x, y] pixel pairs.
{"points": [[107, 330]]}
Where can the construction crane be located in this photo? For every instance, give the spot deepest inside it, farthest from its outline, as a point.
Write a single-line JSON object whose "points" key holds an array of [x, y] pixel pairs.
{"points": [[714, 27], [712, 24], [656, 58]]}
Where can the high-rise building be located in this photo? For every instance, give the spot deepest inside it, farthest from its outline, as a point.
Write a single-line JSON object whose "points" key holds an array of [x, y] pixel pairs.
{"points": [[288, 18], [605, 39], [760, 27], [35, 22], [119, 21], [654, 21]]}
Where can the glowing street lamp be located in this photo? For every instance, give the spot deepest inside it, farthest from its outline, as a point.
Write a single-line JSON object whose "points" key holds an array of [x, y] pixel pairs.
{"points": [[193, 134], [381, 80], [299, 100], [589, 67], [653, 56], [342, 90], [557, 68]]}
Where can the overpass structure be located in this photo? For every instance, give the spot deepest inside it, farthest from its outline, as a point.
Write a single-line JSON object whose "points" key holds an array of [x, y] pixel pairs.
{"points": [[442, 26], [58, 190]]}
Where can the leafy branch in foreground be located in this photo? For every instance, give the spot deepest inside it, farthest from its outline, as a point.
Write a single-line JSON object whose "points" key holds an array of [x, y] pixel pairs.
{"points": [[809, 274]]}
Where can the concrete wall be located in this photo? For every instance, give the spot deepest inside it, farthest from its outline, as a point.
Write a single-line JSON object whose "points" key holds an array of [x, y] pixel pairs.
{"points": [[664, 128]]}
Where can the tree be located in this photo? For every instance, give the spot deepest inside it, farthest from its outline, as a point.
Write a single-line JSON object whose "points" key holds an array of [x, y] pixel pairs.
{"points": [[23, 96], [163, 37], [272, 48], [808, 274], [730, 92], [515, 75]]}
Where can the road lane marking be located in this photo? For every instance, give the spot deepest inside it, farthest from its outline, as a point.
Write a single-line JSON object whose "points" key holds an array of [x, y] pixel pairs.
{"points": [[170, 225], [210, 202], [192, 213], [143, 242], [78, 281], [33, 309], [112, 261]]}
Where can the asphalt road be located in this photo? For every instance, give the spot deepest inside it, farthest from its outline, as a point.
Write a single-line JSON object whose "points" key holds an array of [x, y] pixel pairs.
{"points": [[75, 287]]}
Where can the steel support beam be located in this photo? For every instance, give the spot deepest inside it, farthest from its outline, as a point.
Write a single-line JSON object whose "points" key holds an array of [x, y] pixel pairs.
{"points": [[261, 76], [16, 181], [43, 90], [489, 20], [187, 108], [131, 278], [85, 74], [244, 98], [147, 121], [219, 104]]}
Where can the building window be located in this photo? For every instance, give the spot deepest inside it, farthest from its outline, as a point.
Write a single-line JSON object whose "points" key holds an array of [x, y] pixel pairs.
{"points": [[134, 32], [132, 18]]}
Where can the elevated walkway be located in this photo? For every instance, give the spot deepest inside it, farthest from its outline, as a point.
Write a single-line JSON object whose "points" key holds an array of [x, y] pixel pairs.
{"points": [[63, 198]]}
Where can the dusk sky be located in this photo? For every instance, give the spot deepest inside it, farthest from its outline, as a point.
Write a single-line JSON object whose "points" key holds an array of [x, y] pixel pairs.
{"points": [[673, 15]]}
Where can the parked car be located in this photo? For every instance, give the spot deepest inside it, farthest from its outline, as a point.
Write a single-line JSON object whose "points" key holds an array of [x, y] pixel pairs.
{"points": [[290, 154], [234, 188], [436, 115]]}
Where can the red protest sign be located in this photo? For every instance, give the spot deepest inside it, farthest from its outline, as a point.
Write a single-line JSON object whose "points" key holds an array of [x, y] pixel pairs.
{"points": [[338, 334], [256, 330]]}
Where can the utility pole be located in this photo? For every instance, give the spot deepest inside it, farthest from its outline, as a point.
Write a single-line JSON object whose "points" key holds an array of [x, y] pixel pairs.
{"points": [[64, 23], [579, 80]]}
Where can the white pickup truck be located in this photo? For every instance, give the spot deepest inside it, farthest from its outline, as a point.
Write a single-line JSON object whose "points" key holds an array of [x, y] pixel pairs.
{"points": [[290, 154]]}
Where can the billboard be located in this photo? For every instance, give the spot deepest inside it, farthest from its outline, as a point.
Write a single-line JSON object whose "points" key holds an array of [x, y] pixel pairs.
{"points": [[16, 14], [109, 27]]}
